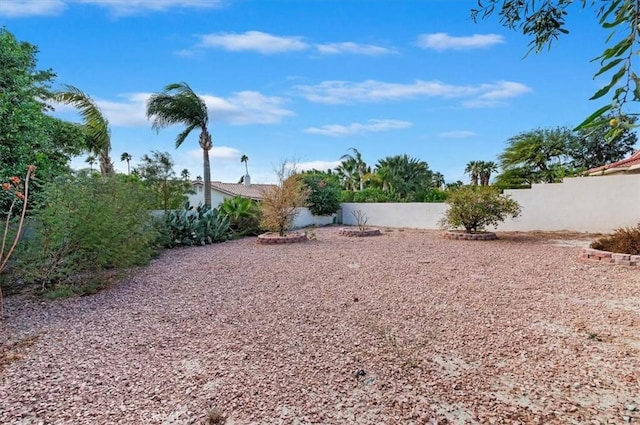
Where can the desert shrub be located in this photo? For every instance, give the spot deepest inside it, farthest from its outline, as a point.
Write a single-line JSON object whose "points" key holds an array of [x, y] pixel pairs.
{"points": [[199, 226], [84, 225], [244, 215], [475, 207], [324, 194], [624, 241], [281, 202]]}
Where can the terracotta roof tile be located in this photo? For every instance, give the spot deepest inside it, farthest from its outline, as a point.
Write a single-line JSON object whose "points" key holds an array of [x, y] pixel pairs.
{"points": [[631, 163]]}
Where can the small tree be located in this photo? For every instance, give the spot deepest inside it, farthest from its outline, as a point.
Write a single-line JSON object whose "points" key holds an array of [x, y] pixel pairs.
{"points": [[281, 202], [475, 207], [324, 192]]}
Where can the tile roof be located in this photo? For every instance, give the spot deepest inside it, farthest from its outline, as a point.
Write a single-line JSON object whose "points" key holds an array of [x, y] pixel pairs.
{"points": [[631, 164], [253, 191]]}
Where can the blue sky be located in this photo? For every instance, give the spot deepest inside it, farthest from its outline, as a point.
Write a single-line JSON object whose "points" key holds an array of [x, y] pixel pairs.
{"points": [[306, 80]]}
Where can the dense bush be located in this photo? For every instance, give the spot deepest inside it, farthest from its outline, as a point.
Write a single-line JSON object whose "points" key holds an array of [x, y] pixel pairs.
{"points": [[435, 195], [475, 207], [370, 194], [84, 225], [324, 194], [199, 226], [244, 215], [623, 241]]}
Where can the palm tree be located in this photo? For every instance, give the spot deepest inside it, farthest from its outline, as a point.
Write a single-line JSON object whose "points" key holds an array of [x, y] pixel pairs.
{"points": [[346, 172], [95, 125], [405, 176], [90, 160], [185, 174], [179, 104], [126, 157], [360, 165], [473, 169], [486, 168], [245, 159]]}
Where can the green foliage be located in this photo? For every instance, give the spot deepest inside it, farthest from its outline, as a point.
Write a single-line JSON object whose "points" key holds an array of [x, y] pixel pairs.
{"points": [[545, 21], [369, 194], [324, 193], [27, 134], [244, 215], [156, 171], [435, 195], [199, 226], [86, 225], [405, 177], [623, 241], [475, 207]]}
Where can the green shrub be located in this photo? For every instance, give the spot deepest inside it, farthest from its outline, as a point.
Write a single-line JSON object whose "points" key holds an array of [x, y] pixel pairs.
{"points": [[623, 241], [195, 227], [475, 207], [324, 194], [244, 215], [370, 194], [84, 225], [435, 195]]}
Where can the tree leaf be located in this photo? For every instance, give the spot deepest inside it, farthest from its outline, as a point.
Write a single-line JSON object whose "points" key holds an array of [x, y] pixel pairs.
{"points": [[589, 122]]}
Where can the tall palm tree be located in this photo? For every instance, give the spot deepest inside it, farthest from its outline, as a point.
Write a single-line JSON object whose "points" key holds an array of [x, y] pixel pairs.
{"points": [[126, 157], [407, 177], [486, 168], [95, 125], [179, 104], [360, 165], [473, 169], [346, 172], [90, 160], [245, 159]]}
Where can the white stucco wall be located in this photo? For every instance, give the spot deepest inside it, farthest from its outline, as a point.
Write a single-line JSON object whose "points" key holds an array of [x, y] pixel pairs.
{"points": [[304, 218], [198, 198], [581, 204], [416, 215]]}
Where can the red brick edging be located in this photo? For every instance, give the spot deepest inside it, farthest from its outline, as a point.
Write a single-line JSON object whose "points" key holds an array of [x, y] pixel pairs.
{"points": [[272, 239], [459, 235], [607, 257]]}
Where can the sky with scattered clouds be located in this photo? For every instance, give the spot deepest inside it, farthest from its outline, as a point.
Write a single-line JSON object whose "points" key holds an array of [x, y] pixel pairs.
{"points": [[305, 80]]}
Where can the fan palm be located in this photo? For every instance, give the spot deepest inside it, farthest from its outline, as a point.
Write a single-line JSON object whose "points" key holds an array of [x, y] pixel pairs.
{"points": [[95, 125], [473, 169], [179, 104], [127, 157], [245, 159], [486, 169]]}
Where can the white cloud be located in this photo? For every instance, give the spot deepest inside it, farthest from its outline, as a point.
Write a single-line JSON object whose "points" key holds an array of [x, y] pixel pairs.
{"points": [[242, 108], [353, 48], [341, 92], [457, 134], [18, 8], [15, 8], [318, 165], [260, 42], [336, 130], [442, 41], [334, 92], [224, 153]]}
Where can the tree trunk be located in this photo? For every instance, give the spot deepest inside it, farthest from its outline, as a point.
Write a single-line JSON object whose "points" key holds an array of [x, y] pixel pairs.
{"points": [[207, 177]]}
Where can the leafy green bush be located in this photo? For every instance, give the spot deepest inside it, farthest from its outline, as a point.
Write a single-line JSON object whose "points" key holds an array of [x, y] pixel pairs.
{"points": [[370, 194], [623, 241], [435, 195], [244, 215], [84, 225], [475, 207], [324, 194], [195, 227]]}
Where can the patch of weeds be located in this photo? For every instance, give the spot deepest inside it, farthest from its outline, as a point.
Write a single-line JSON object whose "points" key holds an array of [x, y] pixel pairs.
{"points": [[623, 240], [59, 291], [594, 336]]}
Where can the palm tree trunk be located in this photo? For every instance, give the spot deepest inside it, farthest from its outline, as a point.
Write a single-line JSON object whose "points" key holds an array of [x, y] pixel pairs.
{"points": [[207, 177]]}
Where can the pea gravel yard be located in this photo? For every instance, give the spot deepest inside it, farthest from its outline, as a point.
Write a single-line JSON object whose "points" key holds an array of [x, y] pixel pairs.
{"points": [[402, 328]]}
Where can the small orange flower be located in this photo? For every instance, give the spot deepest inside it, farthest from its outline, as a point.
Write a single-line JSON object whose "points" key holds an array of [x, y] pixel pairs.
{"points": [[20, 195], [6, 186], [15, 180]]}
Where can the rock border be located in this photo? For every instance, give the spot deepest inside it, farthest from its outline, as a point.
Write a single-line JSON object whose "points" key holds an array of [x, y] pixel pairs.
{"points": [[355, 232], [274, 238], [608, 257], [461, 235]]}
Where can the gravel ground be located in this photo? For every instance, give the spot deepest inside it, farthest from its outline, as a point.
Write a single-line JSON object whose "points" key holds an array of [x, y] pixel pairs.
{"points": [[403, 328]]}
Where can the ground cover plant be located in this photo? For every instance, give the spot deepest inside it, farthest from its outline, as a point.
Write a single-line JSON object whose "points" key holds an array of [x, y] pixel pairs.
{"points": [[516, 331]]}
